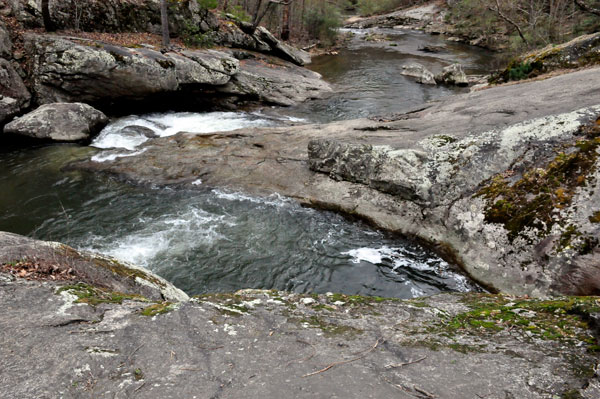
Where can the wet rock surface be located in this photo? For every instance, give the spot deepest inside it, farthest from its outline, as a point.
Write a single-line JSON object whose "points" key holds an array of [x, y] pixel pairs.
{"points": [[428, 174], [257, 344], [59, 122]]}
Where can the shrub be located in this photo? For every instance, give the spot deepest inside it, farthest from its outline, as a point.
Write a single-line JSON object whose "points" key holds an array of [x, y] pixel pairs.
{"points": [[192, 36], [323, 24]]}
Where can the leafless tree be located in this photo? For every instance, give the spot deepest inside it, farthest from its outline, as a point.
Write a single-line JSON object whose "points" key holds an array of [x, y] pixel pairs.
{"points": [[164, 21]]}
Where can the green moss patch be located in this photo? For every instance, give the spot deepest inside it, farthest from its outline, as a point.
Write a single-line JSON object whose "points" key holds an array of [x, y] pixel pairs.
{"points": [[536, 199], [330, 329], [94, 296], [562, 319], [157, 308], [595, 218]]}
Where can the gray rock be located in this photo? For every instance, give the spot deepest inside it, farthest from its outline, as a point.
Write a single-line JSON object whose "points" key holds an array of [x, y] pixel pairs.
{"points": [[5, 42], [265, 344], [419, 174], [453, 75], [279, 83], [88, 71], [59, 122], [90, 268], [418, 71], [14, 97]]}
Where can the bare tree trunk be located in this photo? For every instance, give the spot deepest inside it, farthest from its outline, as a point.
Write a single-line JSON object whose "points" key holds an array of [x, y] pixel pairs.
{"points": [[581, 4], [510, 21], [48, 23], [164, 21], [285, 22]]}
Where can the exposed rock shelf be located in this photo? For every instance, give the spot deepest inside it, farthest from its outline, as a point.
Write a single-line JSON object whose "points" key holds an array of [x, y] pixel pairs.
{"points": [[79, 341], [428, 174]]}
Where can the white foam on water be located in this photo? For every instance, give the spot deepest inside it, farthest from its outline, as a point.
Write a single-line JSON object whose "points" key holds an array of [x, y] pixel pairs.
{"points": [[106, 156], [371, 255], [115, 135], [406, 258], [170, 235], [272, 200]]}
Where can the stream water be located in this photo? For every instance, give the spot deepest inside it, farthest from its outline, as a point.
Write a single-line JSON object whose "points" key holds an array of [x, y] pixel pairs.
{"points": [[207, 240]]}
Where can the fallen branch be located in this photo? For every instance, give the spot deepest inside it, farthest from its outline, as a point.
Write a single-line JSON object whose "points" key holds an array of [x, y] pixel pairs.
{"points": [[423, 392], [332, 365], [302, 360], [395, 366], [585, 7]]}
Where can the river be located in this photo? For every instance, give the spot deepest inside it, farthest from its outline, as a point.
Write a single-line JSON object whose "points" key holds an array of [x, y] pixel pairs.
{"points": [[210, 240]]}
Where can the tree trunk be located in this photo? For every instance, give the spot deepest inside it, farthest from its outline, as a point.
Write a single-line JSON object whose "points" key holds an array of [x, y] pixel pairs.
{"points": [[285, 22], [164, 21], [48, 23]]}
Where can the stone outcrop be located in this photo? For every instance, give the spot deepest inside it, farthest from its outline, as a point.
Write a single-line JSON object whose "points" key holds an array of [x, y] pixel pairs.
{"points": [[269, 344], [89, 71], [453, 173], [63, 122], [283, 84], [14, 96], [69, 69], [418, 71], [579, 52], [87, 267]]}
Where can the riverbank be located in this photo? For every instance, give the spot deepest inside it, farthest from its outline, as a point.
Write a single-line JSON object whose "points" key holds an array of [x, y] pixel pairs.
{"points": [[427, 174], [81, 340]]}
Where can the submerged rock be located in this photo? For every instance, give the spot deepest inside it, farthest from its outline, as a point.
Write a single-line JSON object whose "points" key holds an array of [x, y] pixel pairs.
{"points": [[59, 122], [418, 71]]}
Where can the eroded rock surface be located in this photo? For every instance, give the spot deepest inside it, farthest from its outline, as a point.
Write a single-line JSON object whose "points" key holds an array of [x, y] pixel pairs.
{"points": [[436, 173], [90, 268], [256, 344], [59, 122], [68, 69]]}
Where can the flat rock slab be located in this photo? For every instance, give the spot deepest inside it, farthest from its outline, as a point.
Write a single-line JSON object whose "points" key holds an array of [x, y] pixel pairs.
{"points": [[257, 344]]}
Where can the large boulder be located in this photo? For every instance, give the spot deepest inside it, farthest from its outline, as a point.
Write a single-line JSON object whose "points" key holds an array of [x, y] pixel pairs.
{"points": [[49, 259], [66, 70], [418, 71], [14, 97], [453, 75], [59, 122]]}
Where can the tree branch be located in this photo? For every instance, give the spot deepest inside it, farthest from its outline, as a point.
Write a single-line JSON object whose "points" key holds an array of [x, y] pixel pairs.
{"points": [[507, 19], [586, 8]]}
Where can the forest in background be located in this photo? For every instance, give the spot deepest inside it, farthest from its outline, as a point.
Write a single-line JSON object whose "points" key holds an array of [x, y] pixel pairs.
{"points": [[519, 25]]}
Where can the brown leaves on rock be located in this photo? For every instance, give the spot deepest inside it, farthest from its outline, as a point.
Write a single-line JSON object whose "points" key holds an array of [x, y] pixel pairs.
{"points": [[39, 270]]}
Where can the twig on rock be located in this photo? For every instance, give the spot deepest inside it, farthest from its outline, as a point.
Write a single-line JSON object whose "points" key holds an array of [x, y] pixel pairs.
{"points": [[394, 366], [332, 365]]}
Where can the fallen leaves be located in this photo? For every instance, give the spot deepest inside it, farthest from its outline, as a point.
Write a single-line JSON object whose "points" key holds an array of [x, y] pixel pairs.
{"points": [[39, 270]]}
